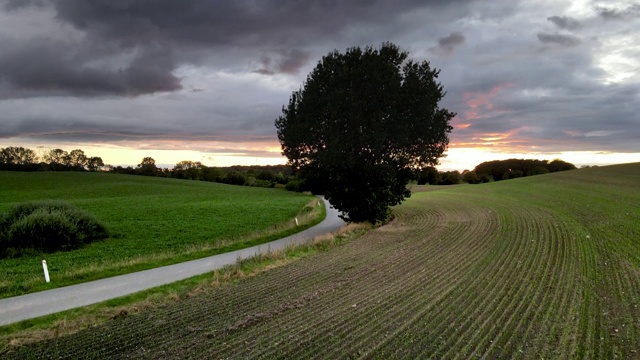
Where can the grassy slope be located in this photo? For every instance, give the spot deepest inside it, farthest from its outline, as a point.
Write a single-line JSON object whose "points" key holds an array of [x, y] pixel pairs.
{"points": [[153, 221], [540, 267]]}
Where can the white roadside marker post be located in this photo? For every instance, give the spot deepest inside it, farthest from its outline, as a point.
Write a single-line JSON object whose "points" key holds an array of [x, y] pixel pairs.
{"points": [[46, 270], [296, 221]]}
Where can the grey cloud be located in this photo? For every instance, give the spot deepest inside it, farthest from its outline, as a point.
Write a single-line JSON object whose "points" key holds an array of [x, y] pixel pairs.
{"points": [[293, 60], [560, 39], [242, 23], [235, 117], [150, 72], [565, 22], [545, 121], [631, 12], [286, 62], [266, 66], [50, 67], [168, 34], [549, 99], [11, 5], [74, 127], [47, 67], [448, 43]]}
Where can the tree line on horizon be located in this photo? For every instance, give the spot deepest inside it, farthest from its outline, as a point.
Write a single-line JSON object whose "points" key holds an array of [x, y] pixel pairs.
{"points": [[24, 159], [252, 175], [495, 170]]}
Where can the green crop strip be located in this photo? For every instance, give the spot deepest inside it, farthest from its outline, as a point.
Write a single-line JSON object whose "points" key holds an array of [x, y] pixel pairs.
{"points": [[152, 222]]}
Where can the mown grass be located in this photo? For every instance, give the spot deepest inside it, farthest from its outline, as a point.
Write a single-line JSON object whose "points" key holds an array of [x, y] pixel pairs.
{"points": [[539, 267], [152, 222]]}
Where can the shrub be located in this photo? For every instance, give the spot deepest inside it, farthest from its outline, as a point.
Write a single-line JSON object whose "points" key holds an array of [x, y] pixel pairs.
{"points": [[266, 175], [512, 174], [539, 170], [470, 177], [46, 226], [294, 185], [486, 178], [234, 178], [429, 176], [449, 178]]}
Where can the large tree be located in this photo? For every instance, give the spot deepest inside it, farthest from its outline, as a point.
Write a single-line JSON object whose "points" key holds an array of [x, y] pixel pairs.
{"points": [[56, 158], [148, 167], [76, 159], [361, 126], [188, 169], [17, 155], [95, 163]]}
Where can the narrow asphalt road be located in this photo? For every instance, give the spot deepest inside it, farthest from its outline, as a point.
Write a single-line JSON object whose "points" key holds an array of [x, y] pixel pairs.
{"points": [[56, 300]]}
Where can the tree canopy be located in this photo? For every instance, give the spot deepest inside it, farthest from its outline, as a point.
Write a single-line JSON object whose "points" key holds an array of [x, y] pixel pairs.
{"points": [[19, 158], [17, 155], [361, 125], [23, 159], [514, 168]]}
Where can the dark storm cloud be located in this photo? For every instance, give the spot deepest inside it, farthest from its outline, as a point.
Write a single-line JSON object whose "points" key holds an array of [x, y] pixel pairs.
{"points": [[243, 23], [58, 68], [168, 33], [628, 13], [559, 39], [565, 22], [150, 72]]}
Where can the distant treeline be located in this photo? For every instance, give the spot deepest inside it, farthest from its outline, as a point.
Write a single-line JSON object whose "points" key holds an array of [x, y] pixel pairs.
{"points": [[254, 175], [494, 171], [23, 159]]}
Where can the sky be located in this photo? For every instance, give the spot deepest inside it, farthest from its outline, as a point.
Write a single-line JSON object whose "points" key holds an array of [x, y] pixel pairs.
{"points": [[205, 80]]}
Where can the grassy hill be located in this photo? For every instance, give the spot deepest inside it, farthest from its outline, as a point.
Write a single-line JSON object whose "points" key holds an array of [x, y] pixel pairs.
{"points": [[153, 222], [539, 267]]}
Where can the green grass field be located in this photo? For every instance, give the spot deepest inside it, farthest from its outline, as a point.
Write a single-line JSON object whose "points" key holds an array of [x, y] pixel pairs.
{"points": [[153, 222], [537, 267]]}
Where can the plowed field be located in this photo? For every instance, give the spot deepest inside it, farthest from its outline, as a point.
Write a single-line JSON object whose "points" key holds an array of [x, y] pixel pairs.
{"points": [[540, 267]]}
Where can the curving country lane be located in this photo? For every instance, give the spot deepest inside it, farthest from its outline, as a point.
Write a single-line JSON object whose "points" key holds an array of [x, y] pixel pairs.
{"points": [[42, 303]]}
